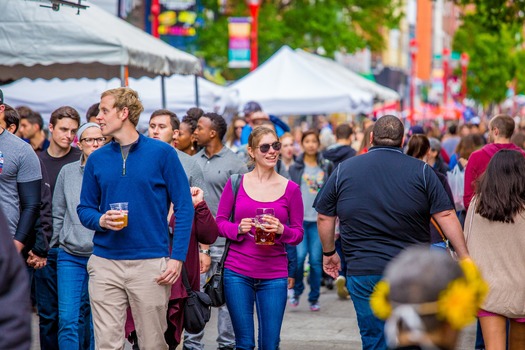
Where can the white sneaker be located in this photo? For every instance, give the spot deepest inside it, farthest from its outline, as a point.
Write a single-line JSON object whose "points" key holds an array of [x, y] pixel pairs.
{"points": [[342, 292]]}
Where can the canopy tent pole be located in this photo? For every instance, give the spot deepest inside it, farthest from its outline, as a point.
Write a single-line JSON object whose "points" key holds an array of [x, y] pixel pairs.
{"points": [[124, 75], [163, 90], [197, 103]]}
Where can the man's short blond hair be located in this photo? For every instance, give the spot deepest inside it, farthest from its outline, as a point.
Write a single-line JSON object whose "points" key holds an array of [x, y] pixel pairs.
{"points": [[129, 98]]}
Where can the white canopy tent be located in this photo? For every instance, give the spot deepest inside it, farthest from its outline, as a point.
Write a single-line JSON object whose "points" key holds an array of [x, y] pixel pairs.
{"points": [[45, 96], [335, 70], [288, 84], [40, 43]]}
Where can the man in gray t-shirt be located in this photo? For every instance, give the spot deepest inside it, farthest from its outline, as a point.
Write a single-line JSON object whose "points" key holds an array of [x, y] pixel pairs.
{"points": [[20, 178]]}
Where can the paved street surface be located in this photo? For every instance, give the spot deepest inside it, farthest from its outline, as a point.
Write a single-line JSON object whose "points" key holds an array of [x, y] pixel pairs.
{"points": [[334, 327]]}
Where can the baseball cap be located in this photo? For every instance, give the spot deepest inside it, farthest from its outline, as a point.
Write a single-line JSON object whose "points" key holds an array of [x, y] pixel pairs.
{"points": [[251, 107], [416, 129], [1, 97]]}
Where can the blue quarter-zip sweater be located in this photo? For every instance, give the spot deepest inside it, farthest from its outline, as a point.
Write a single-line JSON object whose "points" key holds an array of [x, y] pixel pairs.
{"points": [[149, 179]]}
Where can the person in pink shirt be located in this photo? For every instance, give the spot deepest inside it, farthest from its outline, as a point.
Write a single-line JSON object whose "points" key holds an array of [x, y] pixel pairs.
{"points": [[254, 273], [501, 128]]}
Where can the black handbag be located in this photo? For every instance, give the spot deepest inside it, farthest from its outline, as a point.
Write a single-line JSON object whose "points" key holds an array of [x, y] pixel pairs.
{"points": [[197, 307], [214, 286]]}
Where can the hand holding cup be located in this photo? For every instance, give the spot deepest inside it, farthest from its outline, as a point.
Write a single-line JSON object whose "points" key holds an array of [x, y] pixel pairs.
{"points": [[116, 218]]}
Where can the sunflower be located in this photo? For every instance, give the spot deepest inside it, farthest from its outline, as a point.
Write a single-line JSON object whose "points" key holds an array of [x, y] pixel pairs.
{"points": [[379, 300]]}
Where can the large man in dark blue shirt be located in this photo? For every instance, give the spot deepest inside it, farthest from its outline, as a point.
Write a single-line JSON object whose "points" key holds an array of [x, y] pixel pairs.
{"points": [[384, 200]]}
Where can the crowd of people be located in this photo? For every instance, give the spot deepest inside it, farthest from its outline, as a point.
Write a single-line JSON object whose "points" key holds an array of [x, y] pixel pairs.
{"points": [[107, 219]]}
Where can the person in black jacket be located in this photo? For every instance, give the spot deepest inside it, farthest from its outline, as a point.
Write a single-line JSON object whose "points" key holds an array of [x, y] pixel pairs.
{"points": [[15, 317], [341, 149], [310, 171]]}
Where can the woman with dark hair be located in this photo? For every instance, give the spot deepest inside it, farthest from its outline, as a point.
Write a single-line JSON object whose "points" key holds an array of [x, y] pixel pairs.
{"points": [[186, 142], [495, 236], [419, 147], [256, 270], [310, 171]]}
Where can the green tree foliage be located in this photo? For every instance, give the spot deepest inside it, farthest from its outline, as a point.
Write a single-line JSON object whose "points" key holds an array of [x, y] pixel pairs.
{"points": [[495, 14], [333, 25], [492, 58]]}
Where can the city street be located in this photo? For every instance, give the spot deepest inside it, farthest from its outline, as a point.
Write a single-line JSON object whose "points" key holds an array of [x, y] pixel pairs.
{"points": [[334, 327]]}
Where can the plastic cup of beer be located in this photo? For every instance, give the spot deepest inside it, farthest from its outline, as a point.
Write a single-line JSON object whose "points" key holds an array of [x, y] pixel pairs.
{"points": [[263, 237], [123, 208]]}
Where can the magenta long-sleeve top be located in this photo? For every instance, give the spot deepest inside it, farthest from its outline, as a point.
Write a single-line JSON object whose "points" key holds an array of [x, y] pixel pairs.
{"points": [[260, 261]]}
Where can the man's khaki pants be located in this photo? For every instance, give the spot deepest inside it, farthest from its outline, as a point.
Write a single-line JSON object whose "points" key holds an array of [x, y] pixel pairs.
{"points": [[115, 284]]}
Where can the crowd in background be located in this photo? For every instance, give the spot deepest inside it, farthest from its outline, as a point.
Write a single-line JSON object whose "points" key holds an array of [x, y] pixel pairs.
{"points": [[75, 243]]}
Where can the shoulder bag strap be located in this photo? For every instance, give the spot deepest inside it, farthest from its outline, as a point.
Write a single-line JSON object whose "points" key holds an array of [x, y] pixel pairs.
{"points": [[438, 228], [235, 182], [185, 281]]}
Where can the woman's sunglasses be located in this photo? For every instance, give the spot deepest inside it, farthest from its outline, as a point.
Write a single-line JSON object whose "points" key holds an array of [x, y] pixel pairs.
{"points": [[265, 147]]}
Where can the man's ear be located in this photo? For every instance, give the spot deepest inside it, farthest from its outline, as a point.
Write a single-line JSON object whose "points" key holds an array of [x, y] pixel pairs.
{"points": [[11, 128], [213, 133], [50, 127], [371, 138], [125, 113]]}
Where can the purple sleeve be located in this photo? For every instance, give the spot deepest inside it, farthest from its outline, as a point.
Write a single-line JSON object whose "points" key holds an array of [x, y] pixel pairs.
{"points": [[226, 228], [293, 231]]}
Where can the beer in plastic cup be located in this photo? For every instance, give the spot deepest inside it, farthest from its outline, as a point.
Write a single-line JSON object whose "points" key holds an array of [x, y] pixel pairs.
{"points": [[123, 208]]}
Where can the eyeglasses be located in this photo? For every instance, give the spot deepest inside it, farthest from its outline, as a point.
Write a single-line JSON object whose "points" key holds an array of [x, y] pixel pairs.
{"points": [[91, 140], [265, 147]]}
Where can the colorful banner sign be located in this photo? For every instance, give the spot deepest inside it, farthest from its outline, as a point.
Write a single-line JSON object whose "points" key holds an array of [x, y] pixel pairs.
{"points": [[177, 18], [239, 45]]}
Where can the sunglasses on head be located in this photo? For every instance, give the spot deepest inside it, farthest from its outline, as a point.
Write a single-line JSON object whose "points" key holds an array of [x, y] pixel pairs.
{"points": [[265, 147]]}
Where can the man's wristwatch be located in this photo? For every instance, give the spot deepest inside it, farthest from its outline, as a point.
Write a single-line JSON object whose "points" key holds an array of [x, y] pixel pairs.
{"points": [[205, 251]]}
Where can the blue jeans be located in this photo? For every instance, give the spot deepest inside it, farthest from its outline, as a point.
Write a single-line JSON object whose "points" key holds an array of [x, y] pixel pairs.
{"points": [[310, 245], [47, 301], [370, 327], [75, 326], [269, 296]]}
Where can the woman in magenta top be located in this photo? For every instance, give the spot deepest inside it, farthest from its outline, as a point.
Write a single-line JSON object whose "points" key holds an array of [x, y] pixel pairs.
{"points": [[258, 273]]}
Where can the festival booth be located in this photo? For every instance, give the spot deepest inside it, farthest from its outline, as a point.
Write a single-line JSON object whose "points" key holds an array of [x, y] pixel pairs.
{"points": [[38, 42], [289, 84], [45, 96], [336, 71]]}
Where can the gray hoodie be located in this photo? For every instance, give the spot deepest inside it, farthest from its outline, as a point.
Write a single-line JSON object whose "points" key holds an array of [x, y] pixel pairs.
{"points": [[67, 229]]}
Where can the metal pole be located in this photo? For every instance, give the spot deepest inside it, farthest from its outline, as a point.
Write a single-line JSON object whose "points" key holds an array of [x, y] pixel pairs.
{"points": [[254, 46], [197, 102], [446, 53], [122, 75], [155, 11], [163, 91]]}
